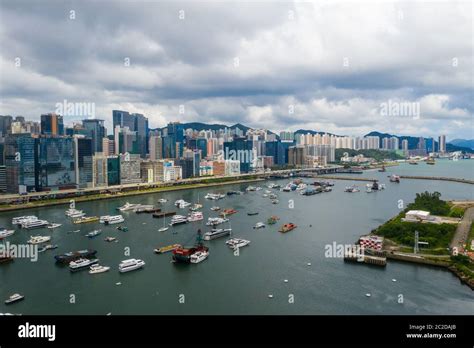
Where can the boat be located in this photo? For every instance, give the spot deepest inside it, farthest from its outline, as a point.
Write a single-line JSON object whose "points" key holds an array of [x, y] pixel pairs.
{"points": [[167, 248], [251, 188], [48, 247], [287, 188], [195, 216], [115, 219], [287, 227], [93, 234], [164, 228], [14, 298], [178, 219], [195, 207], [199, 256], [86, 219], [236, 243], [394, 178], [226, 212], [214, 221], [301, 186], [264, 195], [50, 226], [30, 224], [252, 213], [5, 259], [180, 203], [217, 233], [74, 255], [148, 209], [382, 169], [72, 212], [272, 220], [81, 264], [215, 208], [351, 189], [413, 162], [128, 206], [38, 239], [430, 161], [275, 201], [183, 255], [259, 225], [122, 228], [21, 219], [368, 189], [96, 268], [110, 239], [162, 200], [6, 233], [217, 196], [231, 193], [130, 265]]}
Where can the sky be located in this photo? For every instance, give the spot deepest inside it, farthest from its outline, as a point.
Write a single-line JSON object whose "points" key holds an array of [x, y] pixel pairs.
{"points": [[342, 67]]}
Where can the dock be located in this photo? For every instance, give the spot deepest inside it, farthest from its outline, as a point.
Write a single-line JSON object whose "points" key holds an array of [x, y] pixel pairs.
{"points": [[371, 257], [163, 214]]}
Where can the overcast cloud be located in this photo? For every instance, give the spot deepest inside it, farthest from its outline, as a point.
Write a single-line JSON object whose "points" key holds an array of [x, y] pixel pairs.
{"points": [[290, 55]]}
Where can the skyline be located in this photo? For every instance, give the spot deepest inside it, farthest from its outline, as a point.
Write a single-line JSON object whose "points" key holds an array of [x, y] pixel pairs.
{"points": [[280, 66]]}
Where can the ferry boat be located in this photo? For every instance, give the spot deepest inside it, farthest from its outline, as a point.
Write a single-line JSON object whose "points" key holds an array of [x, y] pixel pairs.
{"points": [[195, 216], [51, 226], [30, 224], [180, 203], [93, 234], [6, 233], [167, 248], [214, 221], [96, 268], [110, 239], [183, 255], [217, 233], [287, 227], [162, 200], [178, 219], [81, 264], [394, 178], [116, 219], [48, 247], [215, 208], [74, 255], [226, 212], [130, 265], [128, 206], [14, 298], [86, 219], [21, 219], [38, 239], [236, 243], [199, 256], [259, 225]]}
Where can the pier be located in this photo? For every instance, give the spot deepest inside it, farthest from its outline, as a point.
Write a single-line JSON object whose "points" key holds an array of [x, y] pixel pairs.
{"points": [[442, 178]]}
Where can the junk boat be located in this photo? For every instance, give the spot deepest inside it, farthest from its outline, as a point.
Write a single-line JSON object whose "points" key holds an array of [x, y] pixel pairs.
{"points": [[287, 227], [74, 255], [183, 255], [167, 248]]}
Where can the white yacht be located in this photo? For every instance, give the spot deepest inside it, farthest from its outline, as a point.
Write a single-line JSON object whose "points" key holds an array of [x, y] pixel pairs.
{"points": [[162, 200], [178, 219], [115, 219], [103, 218], [199, 256], [6, 233], [235, 243], [180, 203], [81, 263], [14, 298], [38, 239], [215, 208], [214, 196], [130, 265], [51, 226], [74, 213], [34, 224], [96, 268], [128, 206], [217, 233], [259, 225], [21, 219], [195, 216], [213, 221]]}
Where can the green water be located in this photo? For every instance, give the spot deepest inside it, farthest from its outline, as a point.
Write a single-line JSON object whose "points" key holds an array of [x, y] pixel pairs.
{"points": [[228, 284]]}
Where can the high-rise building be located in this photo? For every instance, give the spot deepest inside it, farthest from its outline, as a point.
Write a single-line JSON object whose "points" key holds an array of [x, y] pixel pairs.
{"points": [[405, 145], [99, 170], [96, 131], [239, 149], [296, 155], [20, 163], [113, 170], [83, 151], [108, 147], [156, 147], [52, 124], [442, 144], [130, 169], [5, 125], [136, 123]]}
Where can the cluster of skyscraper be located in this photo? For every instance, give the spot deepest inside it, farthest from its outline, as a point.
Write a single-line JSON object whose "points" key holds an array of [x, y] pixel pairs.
{"points": [[49, 156]]}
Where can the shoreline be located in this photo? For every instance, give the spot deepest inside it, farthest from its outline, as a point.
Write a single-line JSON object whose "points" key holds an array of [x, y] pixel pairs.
{"points": [[62, 201]]}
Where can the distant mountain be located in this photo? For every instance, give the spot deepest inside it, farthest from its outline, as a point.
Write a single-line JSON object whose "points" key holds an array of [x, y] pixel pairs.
{"points": [[306, 131], [463, 143]]}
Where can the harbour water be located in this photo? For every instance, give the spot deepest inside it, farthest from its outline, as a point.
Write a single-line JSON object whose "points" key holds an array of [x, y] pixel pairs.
{"points": [[229, 284]]}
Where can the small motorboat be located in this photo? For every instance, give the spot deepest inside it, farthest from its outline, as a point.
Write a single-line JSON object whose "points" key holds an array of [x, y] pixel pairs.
{"points": [[259, 225], [163, 229], [252, 213], [199, 256], [54, 226], [122, 228], [215, 208], [93, 234], [48, 247], [14, 298], [98, 269], [110, 239], [162, 200]]}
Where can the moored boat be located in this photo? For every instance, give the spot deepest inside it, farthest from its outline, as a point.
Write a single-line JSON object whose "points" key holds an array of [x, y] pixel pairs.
{"points": [[93, 234], [130, 265], [228, 211], [38, 239], [217, 233], [86, 219], [96, 268], [81, 264], [236, 243], [4, 233], [14, 298], [195, 216], [287, 227], [74, 255], [199, 256], [167, 248], [259, 225]]}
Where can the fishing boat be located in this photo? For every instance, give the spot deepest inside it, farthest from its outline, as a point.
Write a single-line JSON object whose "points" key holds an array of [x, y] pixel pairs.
{"points": [[93, 234], [79, 264], [96, 268], [86, 219], [130, 265], [74, 255], [183, 255], [38, 239], [128, 206], [252, 213], [4, 233], [259, 225], [167, 248], [287, 227], [217, 233], [199, 256], [229, 211], [111, 220], [110, 239], [51, 226], [48, 247], [14, 298], [195, 216], [215, 208], [236, 243], [178, 219]]}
